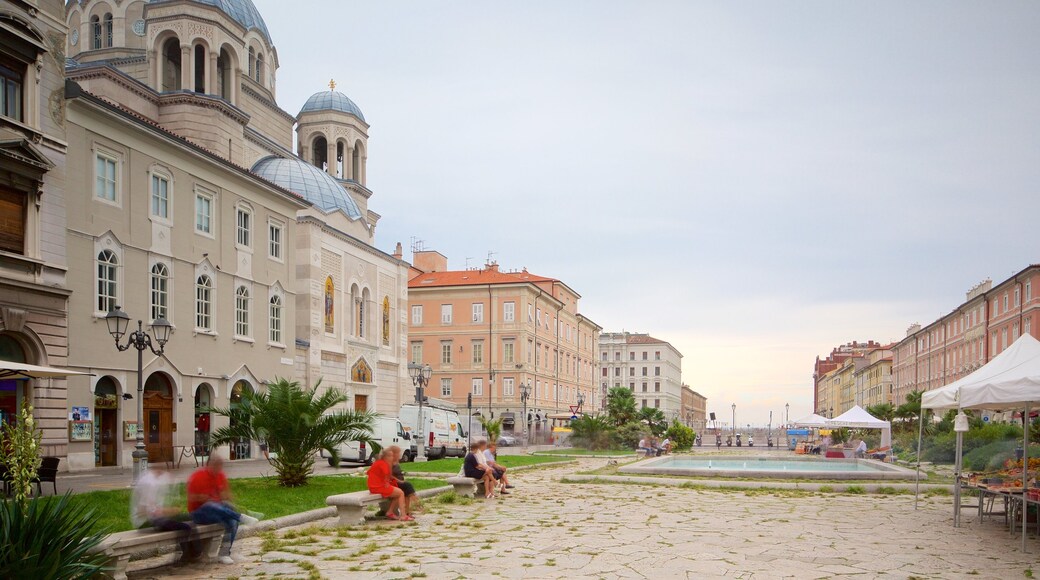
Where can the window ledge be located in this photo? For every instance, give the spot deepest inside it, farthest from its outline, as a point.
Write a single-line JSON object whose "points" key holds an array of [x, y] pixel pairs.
{"points": [[240, 338], [205, 332], [276, 345]]}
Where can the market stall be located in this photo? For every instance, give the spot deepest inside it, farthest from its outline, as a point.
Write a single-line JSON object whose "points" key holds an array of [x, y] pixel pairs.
{"points": [[858, 418]]}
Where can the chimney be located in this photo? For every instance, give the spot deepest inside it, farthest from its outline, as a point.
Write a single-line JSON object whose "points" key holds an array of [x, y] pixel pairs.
{"points": [[398, 251], [493, 266], [430, 261]]}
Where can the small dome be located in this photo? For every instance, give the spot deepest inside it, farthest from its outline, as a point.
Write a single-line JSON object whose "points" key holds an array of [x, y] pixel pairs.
{"points": [[306, 180], [331, 101], [241, 11]]}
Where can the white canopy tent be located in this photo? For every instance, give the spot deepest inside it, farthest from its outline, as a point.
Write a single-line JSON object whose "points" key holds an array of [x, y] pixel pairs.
{"points": [[813, 420], [1010, 381], [22, 371], [858, 418]]}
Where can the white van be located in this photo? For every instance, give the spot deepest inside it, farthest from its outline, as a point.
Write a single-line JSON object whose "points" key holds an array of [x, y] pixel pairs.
{"points": [[386, 431], [443, 433]]}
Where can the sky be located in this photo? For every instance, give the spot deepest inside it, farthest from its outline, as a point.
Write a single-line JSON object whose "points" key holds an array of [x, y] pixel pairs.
{"points": [[754, 182]]}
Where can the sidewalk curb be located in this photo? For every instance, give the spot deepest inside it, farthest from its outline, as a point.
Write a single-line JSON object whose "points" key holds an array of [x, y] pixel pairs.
{"points": [[444, 475]]}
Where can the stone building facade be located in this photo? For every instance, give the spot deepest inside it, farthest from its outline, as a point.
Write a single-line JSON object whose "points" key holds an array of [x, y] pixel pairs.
{"points": [[192, 205], [694, 409], [34, 290], [650, 367]]}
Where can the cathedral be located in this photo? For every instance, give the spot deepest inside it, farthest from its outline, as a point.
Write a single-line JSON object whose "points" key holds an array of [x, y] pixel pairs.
{"points": [[176, 194]]}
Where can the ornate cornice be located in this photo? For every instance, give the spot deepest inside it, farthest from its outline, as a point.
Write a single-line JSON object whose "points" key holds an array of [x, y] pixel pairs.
{"points": [[263, 100]]}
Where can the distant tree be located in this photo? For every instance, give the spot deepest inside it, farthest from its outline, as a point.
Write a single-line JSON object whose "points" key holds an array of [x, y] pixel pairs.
{"points": [[296, 423], [909, 411], [591, 432], [493, 428], [883, 411], [680, 435], [621, 406]]}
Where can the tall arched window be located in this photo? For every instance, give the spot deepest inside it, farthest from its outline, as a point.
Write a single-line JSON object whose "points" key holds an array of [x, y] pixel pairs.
{"points": [[108, 30], [160, 292], [275, 334], [204, 303], [362, 326], [355, 164], [224, 74], [320, 152], [107, 272], [260, 68], [242, 311], [386, 321], [252, 62], [200, 68], [171, 65], [95, 32]]}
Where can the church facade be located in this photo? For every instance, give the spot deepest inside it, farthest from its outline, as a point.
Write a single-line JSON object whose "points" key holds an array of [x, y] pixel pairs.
{"points": [[187, 202]]}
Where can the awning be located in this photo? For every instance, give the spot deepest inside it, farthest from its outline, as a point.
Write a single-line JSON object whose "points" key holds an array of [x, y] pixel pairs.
{"points": [[14, 370]]}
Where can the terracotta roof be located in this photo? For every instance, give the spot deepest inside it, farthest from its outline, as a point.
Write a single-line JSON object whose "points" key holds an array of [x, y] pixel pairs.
{"points": [[644, 339], [474, 278]]}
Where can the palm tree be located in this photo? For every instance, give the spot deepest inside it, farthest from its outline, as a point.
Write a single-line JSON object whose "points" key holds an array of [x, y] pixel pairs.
{"points": [[493, 428], [654, 418], [883, 411], [621, 405], [296, 423], [591, 432]]}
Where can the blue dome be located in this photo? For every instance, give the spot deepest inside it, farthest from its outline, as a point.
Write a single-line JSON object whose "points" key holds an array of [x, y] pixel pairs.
{"points": [[241, 11], [306, 180], [332, 101]]}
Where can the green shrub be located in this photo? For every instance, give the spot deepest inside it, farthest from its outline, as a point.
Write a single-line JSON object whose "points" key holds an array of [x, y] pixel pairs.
{"points": [[680, 435], [856, 489], [628, 435], [49, 538], [591, 432]]}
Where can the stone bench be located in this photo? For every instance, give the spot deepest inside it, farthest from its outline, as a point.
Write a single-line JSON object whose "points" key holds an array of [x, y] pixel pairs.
{"points": [[120, 546], [467, 486], [351, 506]]}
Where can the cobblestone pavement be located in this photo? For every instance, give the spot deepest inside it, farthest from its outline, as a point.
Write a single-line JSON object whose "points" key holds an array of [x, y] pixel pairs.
{"points": [[547, 529]]}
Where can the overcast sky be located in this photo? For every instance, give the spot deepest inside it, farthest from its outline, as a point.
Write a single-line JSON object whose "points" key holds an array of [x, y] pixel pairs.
{"points": [[754, 182]]}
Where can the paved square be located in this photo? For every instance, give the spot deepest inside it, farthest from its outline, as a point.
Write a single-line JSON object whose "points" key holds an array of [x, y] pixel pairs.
{"points": [[549, 530]]}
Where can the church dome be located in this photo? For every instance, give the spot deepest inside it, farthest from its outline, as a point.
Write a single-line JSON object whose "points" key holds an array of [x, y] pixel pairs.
{"points": [[331, 100], [241, 11], [306, 180]]}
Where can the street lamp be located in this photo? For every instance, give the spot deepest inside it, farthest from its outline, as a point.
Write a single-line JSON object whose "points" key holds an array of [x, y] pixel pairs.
{"points": [[117, 322], [734, 423], [581, 400], [525, 393], [787, 415], [421, 379]]}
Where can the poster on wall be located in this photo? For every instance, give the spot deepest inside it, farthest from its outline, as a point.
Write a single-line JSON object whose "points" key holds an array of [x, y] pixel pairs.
{"points": [[81, 430], [129, 430], [80, 414]]}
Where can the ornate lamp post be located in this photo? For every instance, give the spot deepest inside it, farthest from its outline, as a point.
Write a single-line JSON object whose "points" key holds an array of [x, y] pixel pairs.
{"points": [[581, 400], [734, 423], [421, 379], [525, 393], [117, 322], [787, 415]]}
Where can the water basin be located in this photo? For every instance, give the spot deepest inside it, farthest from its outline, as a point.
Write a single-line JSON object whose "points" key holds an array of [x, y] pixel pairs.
{"points": [[771, 467]]}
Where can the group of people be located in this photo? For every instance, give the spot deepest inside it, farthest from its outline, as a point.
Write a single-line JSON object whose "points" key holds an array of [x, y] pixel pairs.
{"points": [[650, 447], [386, 478], [480, 463], [209, 502]]}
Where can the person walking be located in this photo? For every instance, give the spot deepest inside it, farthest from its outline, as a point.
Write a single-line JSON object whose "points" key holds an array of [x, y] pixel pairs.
{"points": [[209, 502], [150, 507]]}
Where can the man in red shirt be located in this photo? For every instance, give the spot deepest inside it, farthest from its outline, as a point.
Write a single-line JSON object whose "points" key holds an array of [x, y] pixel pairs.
{"points": [[209, 502]]}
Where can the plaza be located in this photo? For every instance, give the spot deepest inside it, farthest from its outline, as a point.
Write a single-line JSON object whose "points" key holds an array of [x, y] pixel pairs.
{"points": [[549, 529]]}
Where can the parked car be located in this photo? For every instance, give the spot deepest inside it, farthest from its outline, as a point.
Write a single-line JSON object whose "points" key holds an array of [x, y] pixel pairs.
{"points": [[507, 441]]}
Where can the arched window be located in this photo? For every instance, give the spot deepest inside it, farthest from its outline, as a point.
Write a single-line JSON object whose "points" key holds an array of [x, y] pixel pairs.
{"points": [[107, 272], [95, 32], [200, 68], [276, 320], [340, 167], [224, 74], [108, 30], [355, 164], [260, 68], [330, 306], [171, 65], [320, 152], [386, 321], [204, 303], [252, 62], [242, 311], [160, 292], [362, 327]]}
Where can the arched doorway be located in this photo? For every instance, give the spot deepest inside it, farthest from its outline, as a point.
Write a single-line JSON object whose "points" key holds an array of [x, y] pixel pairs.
{"points": [[203, 401], [106, 429], [241, 449], [12, 391], [158, 417]]}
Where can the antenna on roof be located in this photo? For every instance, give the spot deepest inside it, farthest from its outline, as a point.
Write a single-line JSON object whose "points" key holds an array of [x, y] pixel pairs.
{"points": [[490, 258], [416, 244], [467, 262]]}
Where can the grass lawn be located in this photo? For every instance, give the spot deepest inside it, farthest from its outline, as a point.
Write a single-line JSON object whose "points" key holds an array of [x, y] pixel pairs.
{"points": [[259, 494], [575, 451], [452, 465]]}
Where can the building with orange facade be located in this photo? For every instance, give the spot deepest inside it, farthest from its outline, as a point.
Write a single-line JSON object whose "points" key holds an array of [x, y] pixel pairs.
{"points": [[980, 328], [486, 333], [694, 408]]}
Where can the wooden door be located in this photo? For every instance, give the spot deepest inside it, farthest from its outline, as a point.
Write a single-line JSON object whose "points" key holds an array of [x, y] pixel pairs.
{"points": [[109, 435], [360, 402], [158, 426]]}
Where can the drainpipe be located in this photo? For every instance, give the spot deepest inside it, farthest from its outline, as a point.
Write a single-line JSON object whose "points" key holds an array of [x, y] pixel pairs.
{"points": [[491, 352]]}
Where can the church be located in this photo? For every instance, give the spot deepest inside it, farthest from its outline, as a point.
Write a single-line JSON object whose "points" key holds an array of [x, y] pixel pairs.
{"points": [[185, 200]]}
